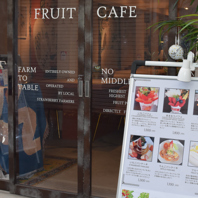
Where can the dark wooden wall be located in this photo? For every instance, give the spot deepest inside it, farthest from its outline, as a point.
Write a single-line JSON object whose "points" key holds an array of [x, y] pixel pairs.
{"points": [[3, 27]]}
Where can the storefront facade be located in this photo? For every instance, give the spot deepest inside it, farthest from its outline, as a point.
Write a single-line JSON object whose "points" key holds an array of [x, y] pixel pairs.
{"points": [[63, 108]]}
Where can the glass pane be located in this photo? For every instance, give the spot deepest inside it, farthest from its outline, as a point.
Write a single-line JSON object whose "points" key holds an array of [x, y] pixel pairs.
{"points": [[4, 162], [117, 42], [48, 69], [185, 8]]}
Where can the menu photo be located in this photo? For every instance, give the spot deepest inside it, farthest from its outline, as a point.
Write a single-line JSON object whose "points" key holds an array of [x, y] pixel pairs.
{"points": [[171, 151], [195, 110], [146, 98], [193, 154], [176, 101], [134, 194], [141, 148]]}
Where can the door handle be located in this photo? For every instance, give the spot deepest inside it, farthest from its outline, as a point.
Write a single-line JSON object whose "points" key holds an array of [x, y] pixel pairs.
{"points": [[80, 88], [87, 89]]}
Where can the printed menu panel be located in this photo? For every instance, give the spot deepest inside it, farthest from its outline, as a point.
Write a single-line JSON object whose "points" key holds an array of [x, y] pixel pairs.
{"points": [[160, 150]]}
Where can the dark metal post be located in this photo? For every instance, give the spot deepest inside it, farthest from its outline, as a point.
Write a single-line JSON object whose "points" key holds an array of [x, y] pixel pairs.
{"points": [[84, 105], [12, 40], [87, 100], [172, 33], [81, 63]]}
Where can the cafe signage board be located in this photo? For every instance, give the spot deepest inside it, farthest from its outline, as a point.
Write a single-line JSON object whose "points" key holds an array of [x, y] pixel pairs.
{"points": [[160, 145]]}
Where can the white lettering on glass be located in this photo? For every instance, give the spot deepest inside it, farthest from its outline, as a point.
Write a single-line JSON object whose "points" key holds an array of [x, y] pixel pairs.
{"points": [[44, 14], [70, 16], [63, 13], [122, 11], [36, 13], [113, 13], [52, 11], [132, 11], [98, 12], [107, 71], [60, 13]]}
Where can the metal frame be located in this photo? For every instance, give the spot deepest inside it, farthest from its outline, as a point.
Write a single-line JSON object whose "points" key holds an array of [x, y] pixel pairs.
{"points": [[81, 61], [84, 108], [88, 98], [127, 121], [138, 63], [131, 87], [12, 88]]}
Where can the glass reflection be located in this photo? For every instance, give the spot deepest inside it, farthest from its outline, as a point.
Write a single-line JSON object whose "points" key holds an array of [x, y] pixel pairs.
{"points": [[48, 69], [117, 42]]}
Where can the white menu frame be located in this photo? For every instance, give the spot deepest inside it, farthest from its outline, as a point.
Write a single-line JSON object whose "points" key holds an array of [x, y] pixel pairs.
{"points": [[133, 77]]}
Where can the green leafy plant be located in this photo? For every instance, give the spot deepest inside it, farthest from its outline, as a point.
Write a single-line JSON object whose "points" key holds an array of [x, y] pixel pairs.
{"points": [[187, 27]]}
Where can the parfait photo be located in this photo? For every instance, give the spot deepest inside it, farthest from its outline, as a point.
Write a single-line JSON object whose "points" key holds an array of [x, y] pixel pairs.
{"points": [[146, 99], [195, 110], [176, 101]]}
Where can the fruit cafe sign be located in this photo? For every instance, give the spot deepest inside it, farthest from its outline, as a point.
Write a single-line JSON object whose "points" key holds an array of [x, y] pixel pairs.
{"points": [[160, 145]]}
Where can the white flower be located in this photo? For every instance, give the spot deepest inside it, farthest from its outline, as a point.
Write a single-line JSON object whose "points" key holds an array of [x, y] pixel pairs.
{"points": [[173, 92]]}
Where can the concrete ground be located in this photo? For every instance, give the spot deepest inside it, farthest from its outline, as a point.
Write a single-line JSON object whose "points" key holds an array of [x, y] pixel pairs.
{"points": [[106, 154], [5, 194]]}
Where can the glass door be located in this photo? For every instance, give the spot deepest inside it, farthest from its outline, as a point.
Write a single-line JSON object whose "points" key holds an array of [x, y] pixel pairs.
{"points": [[119, 38], [51, 94], [46, 142]]}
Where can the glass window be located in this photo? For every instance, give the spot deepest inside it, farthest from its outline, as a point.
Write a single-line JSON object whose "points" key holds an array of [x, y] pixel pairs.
{"points": [[4, 158], [47, 94], [117, 42]]}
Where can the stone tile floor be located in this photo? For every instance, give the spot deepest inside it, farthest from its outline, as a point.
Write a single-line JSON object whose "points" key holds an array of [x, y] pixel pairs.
{"points": [[106, 154], [5, 194]]}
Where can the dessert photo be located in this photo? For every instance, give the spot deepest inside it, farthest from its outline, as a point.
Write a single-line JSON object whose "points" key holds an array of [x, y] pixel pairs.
{"points": [[193, 154], [141, 148], [195, 110], [127, 193], [171, 151], [146, 99], [176, 101]]}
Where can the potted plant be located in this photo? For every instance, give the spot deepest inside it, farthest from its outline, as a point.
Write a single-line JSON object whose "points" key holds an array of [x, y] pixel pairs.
{"points": [[187, 26]]}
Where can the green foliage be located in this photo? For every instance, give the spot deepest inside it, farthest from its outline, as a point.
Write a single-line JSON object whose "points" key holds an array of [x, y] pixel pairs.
{"points": [[192, 1], [185, 26], [189, 27]]}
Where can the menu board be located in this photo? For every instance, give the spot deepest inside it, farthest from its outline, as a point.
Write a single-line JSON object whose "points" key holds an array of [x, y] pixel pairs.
{"points": [[160, 147]]}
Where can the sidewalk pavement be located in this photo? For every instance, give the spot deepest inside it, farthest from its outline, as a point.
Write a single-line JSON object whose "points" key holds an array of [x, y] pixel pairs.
{"points": [[5, 194]]}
